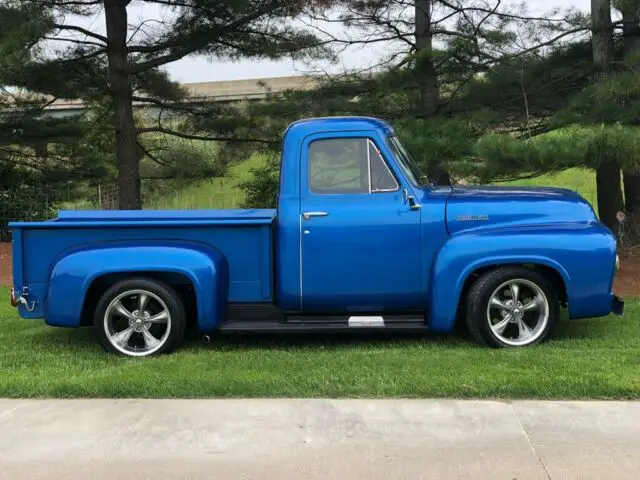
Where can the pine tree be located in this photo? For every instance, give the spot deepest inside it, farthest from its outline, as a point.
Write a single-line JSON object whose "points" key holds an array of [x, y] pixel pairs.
{"points": [[123, 62], [630, 10], [608, 171], [442, 45], [25, 130]]}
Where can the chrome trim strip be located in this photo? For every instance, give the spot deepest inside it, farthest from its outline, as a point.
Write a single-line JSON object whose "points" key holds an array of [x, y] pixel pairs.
{"points": [[384, 162], [369, 164], [300, 255]]}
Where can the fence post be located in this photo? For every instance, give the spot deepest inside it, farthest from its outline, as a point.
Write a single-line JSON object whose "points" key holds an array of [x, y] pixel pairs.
{"points": [[99, 197]]}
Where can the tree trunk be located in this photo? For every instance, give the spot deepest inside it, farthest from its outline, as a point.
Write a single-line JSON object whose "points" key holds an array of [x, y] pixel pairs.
{"points": [[429, 88], [609, 193], [608, 171], [41, 149], [632, 191], [127, 150], [631, 36], [602, 37], [428, 79]]}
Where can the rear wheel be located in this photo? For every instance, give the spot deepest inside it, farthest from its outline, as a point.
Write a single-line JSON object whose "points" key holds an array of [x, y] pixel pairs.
{"points": [[140, 317], [511, 307]]}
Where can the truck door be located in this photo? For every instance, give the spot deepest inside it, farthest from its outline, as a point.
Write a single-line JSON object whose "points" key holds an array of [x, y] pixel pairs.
{"points": [[360, 240]]}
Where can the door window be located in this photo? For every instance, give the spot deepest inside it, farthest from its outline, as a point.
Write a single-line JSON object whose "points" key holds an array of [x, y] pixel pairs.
{"points": [[348, 165]]}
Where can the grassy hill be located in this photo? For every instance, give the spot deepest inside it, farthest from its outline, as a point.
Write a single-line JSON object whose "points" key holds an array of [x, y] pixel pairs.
{"points": [[222, 193], [581, 180]]}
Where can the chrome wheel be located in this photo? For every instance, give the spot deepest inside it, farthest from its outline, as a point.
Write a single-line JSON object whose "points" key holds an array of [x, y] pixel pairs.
{"points": [[137, 323], [518, 312]]}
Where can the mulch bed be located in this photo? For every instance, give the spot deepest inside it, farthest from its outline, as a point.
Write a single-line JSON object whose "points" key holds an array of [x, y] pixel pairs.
{"points": [[627, 280]]}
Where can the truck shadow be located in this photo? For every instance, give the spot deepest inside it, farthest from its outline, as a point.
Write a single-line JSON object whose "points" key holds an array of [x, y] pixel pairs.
{"points": [[233, 341], [60, 339], [85, 338]]}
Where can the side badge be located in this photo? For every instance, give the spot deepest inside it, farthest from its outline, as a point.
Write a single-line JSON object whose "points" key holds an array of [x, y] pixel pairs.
{"points": [[472, 218]]}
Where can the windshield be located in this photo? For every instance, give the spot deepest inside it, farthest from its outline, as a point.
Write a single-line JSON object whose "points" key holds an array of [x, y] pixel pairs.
{"points": [[406, 162]]}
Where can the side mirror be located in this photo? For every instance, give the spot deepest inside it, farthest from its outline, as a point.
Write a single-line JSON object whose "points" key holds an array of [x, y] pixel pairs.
{"points": [[410, 199]]}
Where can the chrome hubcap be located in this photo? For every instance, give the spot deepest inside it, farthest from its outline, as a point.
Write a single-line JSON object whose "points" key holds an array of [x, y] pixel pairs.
{"points": [[518, 312], [137, 323]]}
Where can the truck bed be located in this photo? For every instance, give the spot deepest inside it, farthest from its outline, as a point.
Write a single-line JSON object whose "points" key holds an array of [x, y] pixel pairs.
{"points": [[244, 237]]}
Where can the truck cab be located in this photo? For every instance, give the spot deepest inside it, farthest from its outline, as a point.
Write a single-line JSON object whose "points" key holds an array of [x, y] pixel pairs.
{"points": [[348, 176], [360, 239]]}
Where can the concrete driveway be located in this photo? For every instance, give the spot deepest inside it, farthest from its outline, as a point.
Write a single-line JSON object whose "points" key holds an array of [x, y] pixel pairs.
{"points": [[317, 439]]}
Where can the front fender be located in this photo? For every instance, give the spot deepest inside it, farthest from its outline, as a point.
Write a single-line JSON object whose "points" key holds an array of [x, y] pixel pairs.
{"points": [[73, 275], [583, 255]]}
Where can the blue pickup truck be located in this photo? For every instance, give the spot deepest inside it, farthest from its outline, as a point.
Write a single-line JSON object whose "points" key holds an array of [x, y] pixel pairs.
{"points": [[359, 240]]}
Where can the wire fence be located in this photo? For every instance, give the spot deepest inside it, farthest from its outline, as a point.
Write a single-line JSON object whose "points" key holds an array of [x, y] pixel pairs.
{"points": [[26, 203], [38, 203]]}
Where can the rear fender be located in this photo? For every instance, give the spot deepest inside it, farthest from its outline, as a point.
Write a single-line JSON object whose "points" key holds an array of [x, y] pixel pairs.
{"points": [[72, 276]]}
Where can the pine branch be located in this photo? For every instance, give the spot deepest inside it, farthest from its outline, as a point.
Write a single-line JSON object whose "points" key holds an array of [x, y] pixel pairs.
{"points": [[206, 39], [535, 47], [175, 106], [461, 9], [77, 42], [484, 19], [405, 37], [151, 48], [150, 155], [206, 138], [142, 24], [88, 33]]}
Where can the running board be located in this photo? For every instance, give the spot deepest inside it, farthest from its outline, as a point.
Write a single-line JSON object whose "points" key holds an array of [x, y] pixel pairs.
{"points": [[327, 324]]}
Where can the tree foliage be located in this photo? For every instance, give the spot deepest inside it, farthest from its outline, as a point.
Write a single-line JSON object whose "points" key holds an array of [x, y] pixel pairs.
{"points": [[123, 62]]}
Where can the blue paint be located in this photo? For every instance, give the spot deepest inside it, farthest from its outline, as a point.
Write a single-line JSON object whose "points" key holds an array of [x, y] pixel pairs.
{"points": [[514, 206], [583, 254], [372, 253], [205, 267]]}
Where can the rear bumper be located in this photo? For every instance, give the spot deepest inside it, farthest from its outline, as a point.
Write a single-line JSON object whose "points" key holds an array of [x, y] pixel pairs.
{"points": [[617, 305]]}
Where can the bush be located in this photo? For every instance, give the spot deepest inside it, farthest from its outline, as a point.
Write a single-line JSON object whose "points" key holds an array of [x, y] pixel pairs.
{"points": [[261, 190]]}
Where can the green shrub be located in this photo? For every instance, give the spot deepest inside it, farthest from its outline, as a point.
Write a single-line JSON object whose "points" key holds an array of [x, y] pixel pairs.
{"points": [[261, 189]]}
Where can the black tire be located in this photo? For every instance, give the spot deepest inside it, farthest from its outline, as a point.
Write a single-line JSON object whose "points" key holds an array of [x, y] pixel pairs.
{"points": [[176, 326], [479, 296]]}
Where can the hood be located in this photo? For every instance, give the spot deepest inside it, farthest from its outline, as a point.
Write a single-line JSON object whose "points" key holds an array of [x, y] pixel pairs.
{"points": [[470, 208]]}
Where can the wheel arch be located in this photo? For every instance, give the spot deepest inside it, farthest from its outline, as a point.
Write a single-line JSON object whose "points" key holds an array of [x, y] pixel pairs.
{"points": [[453, 281], [179, 282], [85, 275], [488, 323], [553, 276]]}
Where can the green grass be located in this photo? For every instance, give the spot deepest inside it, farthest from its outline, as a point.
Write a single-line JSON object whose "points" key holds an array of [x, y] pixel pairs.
{"points": [[597, 358], [581, 180], [214, 193], [224, 193]]}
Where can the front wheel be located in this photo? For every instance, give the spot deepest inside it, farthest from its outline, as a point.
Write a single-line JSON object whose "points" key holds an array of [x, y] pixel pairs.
{"points": [[140, 317], [511, 307]]}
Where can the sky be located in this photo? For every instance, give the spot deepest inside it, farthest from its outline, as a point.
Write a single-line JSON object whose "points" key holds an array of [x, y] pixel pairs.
{"points": [[199, 69], [196, 69]]}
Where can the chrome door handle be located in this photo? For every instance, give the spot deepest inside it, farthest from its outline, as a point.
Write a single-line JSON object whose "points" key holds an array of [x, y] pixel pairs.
{"points": [[308, 215]]}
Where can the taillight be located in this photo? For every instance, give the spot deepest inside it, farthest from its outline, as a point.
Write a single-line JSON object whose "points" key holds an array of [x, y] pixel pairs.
{"points": [[14, 300]]}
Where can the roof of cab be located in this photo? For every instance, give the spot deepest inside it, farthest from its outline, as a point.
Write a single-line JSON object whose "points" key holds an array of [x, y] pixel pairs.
{"points": [[322, 124]]}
